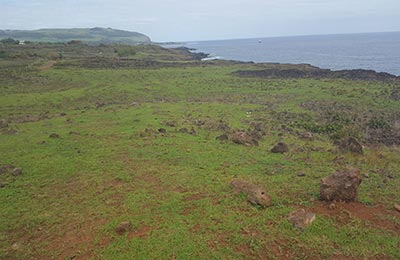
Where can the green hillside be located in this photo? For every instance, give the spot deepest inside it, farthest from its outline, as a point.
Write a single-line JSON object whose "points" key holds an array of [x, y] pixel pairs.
{"points": [[88, 35], [118, 152]]}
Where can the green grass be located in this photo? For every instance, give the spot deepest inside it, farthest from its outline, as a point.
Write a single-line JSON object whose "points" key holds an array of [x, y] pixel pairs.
{"points": [[174, 187]]}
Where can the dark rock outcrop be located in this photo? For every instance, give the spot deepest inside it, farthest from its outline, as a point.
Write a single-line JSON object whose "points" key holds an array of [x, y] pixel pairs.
{"points": [[341, 186], [314, 72]]}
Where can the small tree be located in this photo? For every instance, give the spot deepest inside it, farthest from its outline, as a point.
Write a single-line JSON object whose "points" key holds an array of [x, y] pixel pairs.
{"points": [[9, 41]]}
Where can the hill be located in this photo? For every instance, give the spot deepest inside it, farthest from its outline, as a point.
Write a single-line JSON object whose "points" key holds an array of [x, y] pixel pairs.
{"points": [[88, 35]]}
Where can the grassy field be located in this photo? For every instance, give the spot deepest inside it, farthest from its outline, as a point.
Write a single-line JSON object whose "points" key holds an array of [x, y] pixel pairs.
{"points": [[122, 155]]}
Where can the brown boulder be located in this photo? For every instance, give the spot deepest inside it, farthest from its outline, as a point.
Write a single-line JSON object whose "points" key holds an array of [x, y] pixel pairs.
{"points": [[241, 137], [256, 194], [341, 186], [123, 227], [280, 148], [351, 145], [301, 218]]}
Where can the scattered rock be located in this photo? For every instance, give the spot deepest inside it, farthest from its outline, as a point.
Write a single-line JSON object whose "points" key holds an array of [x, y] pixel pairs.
{"points": [[199, 122], [74, 133], [301, 174], [10, 131], [339, 160], [256, 195], [397, 207], [341, 186], [15, 246], [16, 172], [257, 135], [6, 168], [162, 130], [222, 137], [223, 127], [184, 130], [351, 145], [301, 218], [280, 148], [241, 137], [2, 185], [3, 123], [54, 135], [135, 104], [192, 131], [332, 206], [100, 104], [41, 142], [307, 136], [63, 114], [170, 123], [123, 227]]}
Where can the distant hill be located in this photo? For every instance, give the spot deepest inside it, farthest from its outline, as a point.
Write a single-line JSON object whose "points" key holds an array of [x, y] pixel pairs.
{"points": [[88, 35]]}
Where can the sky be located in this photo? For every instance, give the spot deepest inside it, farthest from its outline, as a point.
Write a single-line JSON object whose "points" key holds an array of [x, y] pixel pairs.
{"points": [[189, 20]]}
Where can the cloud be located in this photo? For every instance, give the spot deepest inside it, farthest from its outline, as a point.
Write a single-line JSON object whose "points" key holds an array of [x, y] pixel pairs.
{"points": [[206, 19]]}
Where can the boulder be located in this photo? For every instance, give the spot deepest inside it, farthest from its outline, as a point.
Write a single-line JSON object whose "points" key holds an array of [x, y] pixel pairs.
{"points": [[6, 168], [341, 186], [54, 135], [301, 218], [16, 172], [192, 131], [243, 138], [256, 194], [3, 123], [307, 136], [222, 137], [280, 148], [170, 123], [351, 145], [123, 227]]}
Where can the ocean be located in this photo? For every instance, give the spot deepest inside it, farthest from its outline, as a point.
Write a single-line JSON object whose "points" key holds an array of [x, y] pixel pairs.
{"points": [[375, 51]]}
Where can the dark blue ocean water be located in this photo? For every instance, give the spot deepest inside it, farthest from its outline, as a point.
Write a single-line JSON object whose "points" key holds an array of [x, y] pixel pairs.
{"points": [[376, 51]]}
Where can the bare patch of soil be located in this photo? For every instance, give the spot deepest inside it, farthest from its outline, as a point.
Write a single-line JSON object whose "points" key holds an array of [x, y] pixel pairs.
{"points": [[343, 213]]}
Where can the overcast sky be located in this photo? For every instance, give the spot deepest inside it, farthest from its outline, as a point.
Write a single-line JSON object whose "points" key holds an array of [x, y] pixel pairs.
{"points": [[183, 20]]}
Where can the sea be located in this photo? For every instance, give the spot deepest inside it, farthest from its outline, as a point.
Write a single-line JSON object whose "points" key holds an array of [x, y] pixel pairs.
{"points": [[372, 51]]}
